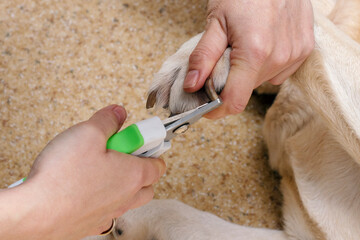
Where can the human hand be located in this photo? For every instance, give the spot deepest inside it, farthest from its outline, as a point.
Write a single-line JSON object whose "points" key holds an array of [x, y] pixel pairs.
{"points": [[269, 40], [82, 186]]}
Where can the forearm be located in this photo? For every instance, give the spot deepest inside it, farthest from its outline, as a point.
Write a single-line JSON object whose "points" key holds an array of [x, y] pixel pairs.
{"points": [[69, 193], [20, 216]]}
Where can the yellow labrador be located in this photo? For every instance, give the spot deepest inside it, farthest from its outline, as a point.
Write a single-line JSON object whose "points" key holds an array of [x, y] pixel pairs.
{"points": [[313, 135]]}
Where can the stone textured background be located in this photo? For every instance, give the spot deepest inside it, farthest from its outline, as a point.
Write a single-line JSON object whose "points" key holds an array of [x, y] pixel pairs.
{"points": [[62, 60]]}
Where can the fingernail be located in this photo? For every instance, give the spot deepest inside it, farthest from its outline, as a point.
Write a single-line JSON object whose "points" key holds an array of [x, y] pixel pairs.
{"points": [[119, 112], [191, 79]]}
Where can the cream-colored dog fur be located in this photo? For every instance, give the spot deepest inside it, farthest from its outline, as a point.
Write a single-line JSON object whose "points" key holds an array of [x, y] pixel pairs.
{"points": [[313, 135]]}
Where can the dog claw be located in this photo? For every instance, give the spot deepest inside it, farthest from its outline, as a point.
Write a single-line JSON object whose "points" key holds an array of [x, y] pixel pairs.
{"points": [[151, 99], [210, 89]]}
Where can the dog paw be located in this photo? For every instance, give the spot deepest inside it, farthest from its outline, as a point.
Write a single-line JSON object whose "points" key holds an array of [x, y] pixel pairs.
{"points": [[167, 91], [151, 221], [167, 220]]}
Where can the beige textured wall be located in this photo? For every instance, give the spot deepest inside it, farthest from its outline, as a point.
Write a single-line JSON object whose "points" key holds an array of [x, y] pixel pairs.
{"points": [[62, 60]]}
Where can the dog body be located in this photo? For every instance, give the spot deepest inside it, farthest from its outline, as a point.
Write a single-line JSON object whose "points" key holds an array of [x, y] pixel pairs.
{"points": [[313, 136]]}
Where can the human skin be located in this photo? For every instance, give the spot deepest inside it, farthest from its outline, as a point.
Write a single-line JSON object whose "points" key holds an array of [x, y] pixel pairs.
{"points": [[269, 40], [76, 186]]}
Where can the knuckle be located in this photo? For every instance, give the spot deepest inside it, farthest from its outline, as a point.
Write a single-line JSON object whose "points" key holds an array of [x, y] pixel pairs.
{"points": [[212, 15], [212, 9], [200, 54], [215, 19], [281, 57], [259, 49], [236, 107], [91, 129]]}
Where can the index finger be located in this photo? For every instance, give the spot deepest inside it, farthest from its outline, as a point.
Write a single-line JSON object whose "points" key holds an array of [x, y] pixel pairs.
{"points": [[153, 169], [142, 171], [205, 56]]}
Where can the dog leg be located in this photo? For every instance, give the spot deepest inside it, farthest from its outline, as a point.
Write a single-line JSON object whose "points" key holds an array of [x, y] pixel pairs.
{"points": [[333, 89], [173, 220], [312, 131], [345, 15]]}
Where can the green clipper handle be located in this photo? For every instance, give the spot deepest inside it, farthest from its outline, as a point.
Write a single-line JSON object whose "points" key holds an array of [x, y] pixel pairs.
{"points": [[127, 140], [144, 138], [139, 137]]}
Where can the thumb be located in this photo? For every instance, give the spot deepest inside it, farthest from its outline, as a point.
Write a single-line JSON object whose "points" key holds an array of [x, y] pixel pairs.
{"points": [[205, 55], [109, 119], [240, 83]]}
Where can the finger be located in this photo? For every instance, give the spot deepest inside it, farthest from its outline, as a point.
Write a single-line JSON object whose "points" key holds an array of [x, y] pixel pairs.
{"points": [[109, 119], [205, 55], [282, 76], [142, 171], [142, 197], [152, 170], [237, 91]]}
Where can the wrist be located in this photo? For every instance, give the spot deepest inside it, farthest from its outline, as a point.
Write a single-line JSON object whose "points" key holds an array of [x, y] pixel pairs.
{"points": [[22, 213]]}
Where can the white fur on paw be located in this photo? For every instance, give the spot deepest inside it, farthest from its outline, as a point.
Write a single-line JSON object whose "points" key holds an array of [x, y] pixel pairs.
{"points": [[167, 91]]}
